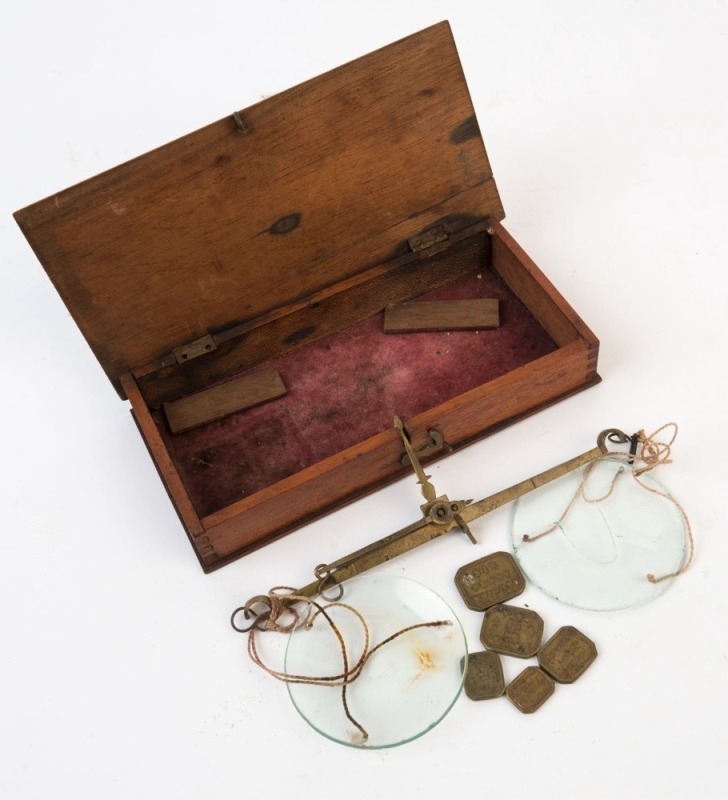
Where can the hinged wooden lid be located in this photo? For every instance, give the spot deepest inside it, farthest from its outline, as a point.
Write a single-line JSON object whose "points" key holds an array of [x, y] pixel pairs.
{"points": [[269, 205]]}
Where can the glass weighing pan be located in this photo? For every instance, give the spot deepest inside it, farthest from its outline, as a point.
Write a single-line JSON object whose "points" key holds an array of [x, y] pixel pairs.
{"points": [[405, 688], [598, 557]]}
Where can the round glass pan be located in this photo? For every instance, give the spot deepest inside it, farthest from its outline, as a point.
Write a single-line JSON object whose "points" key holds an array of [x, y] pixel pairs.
{"points": [[405, 688], [598, 557]]}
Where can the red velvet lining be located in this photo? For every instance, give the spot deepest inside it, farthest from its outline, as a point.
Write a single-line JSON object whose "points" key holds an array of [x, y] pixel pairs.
{"points": [[347, 387]]}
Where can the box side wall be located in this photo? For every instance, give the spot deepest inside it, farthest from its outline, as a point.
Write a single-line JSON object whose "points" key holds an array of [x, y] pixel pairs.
{"points": [[536, 291], [168, 474]]}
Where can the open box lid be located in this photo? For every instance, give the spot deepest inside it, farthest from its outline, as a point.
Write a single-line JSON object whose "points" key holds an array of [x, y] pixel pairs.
{"points": [[268, 206]]}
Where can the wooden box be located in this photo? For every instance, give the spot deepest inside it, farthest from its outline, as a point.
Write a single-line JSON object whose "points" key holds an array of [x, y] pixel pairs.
{"points": [[269, 244]]}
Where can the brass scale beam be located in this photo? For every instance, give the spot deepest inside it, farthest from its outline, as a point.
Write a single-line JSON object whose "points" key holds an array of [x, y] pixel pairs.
{"points": [[439, 515]]}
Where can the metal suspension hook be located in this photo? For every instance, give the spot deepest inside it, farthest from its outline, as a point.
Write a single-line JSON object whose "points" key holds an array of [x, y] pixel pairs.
{"points": [[327, 581], [248, 613], [614, 435]]}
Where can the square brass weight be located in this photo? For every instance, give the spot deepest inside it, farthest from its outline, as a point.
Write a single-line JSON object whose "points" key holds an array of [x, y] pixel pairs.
{"points": [[489, 580], [484, 679], [530, 690], [567, 654], [512, 631]]}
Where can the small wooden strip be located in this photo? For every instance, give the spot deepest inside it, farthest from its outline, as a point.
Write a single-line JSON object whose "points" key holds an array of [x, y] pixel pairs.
{"points": [[220, 401], [441, 315]]}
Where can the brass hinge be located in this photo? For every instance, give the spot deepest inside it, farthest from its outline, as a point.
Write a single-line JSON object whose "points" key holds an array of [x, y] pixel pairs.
{"points": [[428, 239], [199, 347]]}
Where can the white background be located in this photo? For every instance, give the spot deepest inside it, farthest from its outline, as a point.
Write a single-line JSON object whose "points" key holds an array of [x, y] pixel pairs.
{"points": [[606, 125]]}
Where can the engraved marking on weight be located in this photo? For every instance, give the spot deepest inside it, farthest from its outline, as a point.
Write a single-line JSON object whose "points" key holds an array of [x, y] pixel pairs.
{"points": [[530, 690], [489, 580], [567, 654], [484, 679], [512, 631]]}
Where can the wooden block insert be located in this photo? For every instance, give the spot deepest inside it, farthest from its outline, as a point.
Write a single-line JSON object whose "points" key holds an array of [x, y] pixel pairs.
{"points": [[220, 401], [442, 315]]}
